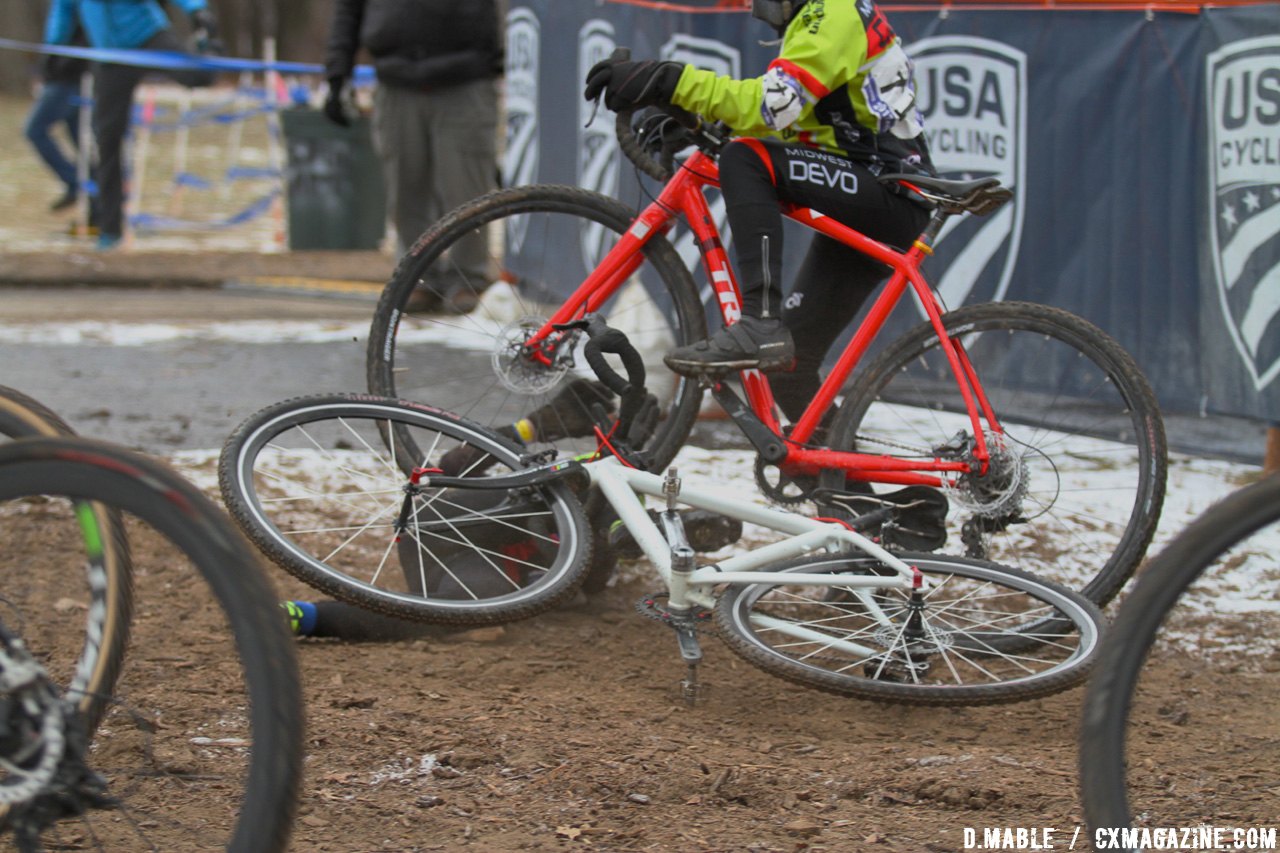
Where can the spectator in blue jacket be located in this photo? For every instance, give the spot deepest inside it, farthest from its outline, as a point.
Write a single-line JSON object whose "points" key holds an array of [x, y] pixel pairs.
{"points": [[137, 24]]}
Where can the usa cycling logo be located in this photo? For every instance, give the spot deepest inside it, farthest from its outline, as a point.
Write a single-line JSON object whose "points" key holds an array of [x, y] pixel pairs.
{"points": [[520, 160], [972, 93], [1243, 89], [598, 154]]}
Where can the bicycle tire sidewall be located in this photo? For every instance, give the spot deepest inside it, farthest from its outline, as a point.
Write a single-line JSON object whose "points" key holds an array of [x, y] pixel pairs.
{"points": [[673, 430], [1166, 577], [22, 416], [91, 470], [236, 475], [1085, 337]]}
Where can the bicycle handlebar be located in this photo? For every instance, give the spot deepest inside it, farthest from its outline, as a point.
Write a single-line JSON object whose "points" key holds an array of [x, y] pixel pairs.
{"points": [[601, 339]]}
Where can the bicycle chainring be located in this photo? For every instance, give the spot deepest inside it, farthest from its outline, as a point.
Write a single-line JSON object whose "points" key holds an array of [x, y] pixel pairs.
{"points": [[514, 367], [782, 488], [655, 607]]}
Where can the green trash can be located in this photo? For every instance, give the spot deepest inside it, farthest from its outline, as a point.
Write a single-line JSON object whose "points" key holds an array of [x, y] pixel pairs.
{"points": [[336, 197]]}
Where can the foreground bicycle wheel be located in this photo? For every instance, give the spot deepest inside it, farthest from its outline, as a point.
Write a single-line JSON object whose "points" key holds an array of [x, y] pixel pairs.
{"points": [[78, 619], [946, 649], [326, 486], [1075, 492], [475, 365], [202, 746], [1149, 755]]}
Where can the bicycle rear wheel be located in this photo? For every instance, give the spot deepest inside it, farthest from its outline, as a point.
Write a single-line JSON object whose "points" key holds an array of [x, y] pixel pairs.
{"points": [[947, 648], [1149, 754], [1075, 489], [202, 746], [323, 486], [84, 659], [542, 241]]}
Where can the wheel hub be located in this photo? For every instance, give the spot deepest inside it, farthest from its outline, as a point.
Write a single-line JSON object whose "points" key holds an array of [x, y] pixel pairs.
{"points": [[514, 366]]}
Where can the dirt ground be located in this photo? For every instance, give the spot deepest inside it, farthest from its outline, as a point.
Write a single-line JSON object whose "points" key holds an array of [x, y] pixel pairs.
{"points": [[565, 733]]}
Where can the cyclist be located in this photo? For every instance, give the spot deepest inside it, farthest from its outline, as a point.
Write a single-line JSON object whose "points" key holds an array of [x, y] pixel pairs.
{"points": [[835, 109]]}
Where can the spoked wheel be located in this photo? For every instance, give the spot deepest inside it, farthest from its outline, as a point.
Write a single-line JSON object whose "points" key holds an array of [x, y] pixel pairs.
{"points": [[78, 615], [516, 255], [201, 744], [944, 646], [1179, 723], [326, 487], [1074, 488]]}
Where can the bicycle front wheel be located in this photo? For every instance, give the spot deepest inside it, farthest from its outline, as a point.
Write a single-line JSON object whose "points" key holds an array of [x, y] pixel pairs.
{"points": [[201, 748], [515, 255], [947, 646], [1179, 720], [84, 659], [327, 488], [1075, 487]]}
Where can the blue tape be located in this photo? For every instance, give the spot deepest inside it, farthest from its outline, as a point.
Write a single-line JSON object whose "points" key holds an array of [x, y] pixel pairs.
{"points": [[172, 60]]}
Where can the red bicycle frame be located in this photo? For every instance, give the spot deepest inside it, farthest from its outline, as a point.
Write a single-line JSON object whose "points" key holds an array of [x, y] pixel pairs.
{"points": [[682, 197]]}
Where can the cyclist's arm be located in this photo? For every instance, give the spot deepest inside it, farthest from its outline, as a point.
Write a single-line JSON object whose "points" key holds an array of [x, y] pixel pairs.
{"points": [[816, 58], [61, 23]]}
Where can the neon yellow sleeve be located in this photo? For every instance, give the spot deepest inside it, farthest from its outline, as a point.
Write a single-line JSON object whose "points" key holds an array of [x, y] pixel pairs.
{"points": [[823, 49]]}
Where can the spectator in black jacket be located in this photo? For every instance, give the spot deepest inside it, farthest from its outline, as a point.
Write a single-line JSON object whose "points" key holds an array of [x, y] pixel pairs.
{"points": [[435, 117]]}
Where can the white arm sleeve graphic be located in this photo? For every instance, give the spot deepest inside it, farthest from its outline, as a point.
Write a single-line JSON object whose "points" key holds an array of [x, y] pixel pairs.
{"points": [[783, 99]]}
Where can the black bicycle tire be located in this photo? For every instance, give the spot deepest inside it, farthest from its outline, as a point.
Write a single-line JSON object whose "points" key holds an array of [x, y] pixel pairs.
{"points": [[729, 620], [91, 470], [1103, 741], [22, 416], [1086, 338], [671, 431], [235, 479]]}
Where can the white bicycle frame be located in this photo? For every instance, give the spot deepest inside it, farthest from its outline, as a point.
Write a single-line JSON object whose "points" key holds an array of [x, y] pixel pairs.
{"points": [[620, 486]]}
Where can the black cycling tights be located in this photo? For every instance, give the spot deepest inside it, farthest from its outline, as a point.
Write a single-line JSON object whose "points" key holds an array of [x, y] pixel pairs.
{"points": [[834, 280]]}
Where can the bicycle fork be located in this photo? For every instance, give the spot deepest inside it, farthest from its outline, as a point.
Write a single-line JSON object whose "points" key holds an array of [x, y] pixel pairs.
{"points": [[681, 611]]}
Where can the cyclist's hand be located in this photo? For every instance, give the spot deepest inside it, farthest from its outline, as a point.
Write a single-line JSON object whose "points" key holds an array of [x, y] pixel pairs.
{"points": [[627, 85], [335, 106]]}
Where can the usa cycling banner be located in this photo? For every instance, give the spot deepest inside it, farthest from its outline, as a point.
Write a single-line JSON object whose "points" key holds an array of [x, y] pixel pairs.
{"points": [[1142, 148]]}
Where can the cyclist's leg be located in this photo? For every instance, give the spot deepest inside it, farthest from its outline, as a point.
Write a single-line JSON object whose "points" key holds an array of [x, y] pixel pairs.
{"points": [[830, 287]]}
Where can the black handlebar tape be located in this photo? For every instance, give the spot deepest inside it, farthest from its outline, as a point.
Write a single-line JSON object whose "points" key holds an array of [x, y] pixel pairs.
{"points": [[614, 341]]}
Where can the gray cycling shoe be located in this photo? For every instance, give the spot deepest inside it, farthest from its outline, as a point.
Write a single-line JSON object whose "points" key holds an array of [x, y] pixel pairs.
{"points": [[752, 342]]}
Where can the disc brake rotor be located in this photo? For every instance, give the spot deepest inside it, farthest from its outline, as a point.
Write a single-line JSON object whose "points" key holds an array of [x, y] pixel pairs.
{"points": [[519, 372]]}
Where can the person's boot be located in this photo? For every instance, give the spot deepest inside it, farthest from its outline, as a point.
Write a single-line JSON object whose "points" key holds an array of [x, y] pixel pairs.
{"points": [[762, 343]]}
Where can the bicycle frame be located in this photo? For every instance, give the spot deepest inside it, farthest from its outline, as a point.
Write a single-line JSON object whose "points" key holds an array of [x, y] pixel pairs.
{"points": [[682, 198]]}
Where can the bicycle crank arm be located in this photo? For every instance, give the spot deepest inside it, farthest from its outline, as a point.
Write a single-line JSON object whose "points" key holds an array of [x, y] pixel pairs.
{"points": [[765, 441]]}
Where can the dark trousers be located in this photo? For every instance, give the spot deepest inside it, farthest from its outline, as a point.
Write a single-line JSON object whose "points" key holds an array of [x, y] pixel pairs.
{"points": [[58, 104], [834, 280], [113, 88]]}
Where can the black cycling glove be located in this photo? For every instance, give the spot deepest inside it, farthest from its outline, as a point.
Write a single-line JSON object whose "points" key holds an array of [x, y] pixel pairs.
{"points": [[627, 85], [335, 105]]}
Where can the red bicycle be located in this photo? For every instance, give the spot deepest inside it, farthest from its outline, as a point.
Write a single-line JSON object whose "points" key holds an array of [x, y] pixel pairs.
{"points": [[1012, 431]]}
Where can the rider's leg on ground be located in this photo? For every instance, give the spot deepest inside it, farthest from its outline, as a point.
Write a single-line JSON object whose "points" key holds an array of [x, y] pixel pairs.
{"points": [[343, 621]]}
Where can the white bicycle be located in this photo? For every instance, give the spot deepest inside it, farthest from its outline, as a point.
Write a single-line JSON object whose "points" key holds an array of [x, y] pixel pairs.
{"points": [[419, 513]]}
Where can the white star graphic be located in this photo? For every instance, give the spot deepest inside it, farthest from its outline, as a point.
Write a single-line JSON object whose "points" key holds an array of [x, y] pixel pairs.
{"points": [[1252, 202], [1229, 216]]}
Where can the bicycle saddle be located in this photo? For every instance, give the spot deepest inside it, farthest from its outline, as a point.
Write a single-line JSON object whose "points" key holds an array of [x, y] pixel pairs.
{"points": [[980, 196]]}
